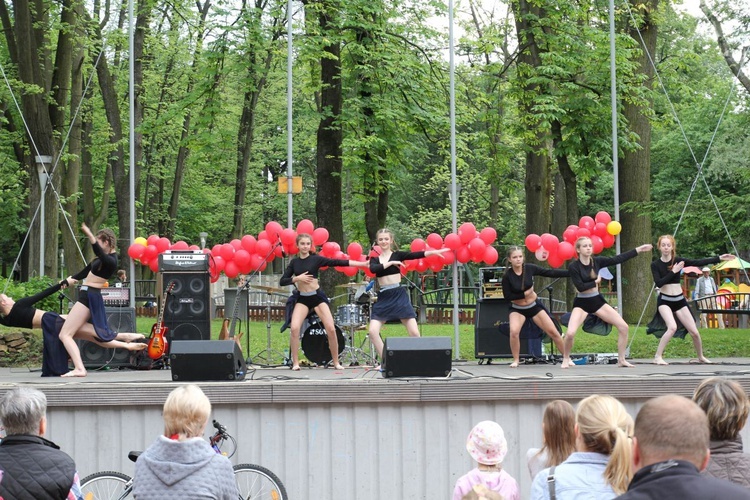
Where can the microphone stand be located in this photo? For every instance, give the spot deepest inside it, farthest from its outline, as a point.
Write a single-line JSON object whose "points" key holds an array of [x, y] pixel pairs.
{"points": [[549, 288], [413, 286]]}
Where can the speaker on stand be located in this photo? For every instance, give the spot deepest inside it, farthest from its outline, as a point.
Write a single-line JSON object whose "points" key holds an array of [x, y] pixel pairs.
{"points": [[187, 313], [492, 332], [119, 319]]}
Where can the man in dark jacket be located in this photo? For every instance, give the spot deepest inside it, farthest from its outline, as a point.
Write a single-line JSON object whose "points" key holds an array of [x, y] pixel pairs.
{"points": [[33, 468], [670, 448]]}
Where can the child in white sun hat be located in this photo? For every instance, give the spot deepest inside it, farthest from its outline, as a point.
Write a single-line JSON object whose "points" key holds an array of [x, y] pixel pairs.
{"points": [[487, 446]]}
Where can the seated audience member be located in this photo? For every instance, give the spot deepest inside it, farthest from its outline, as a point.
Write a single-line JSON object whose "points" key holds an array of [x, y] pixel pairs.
{"points": [[558, 434], [181, 464], [487, 446], [600, 468], [34, 468], [670, 447], [726, 405]]}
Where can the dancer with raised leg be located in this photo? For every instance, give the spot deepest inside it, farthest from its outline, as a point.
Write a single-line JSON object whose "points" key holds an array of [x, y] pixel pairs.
{"points": [[584, 273], [302, 272], [518, 287], [670, 301], [393, 301], [90, 305]]}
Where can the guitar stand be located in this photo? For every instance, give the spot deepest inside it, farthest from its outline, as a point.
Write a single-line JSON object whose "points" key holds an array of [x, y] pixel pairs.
{"points": [[267, 354]]}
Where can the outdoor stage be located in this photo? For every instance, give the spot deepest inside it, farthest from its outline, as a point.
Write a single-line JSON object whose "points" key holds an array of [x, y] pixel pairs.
{"points": [[351, 433]]}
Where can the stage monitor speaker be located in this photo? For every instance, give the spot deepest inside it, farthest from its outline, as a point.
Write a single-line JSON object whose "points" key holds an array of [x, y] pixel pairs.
{"points": [[187, 313], [196, 360], [417, 357], [491, 337], [119, 319]]}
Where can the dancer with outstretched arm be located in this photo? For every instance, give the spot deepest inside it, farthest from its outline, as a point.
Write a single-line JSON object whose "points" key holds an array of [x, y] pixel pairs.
{"points": [[584, 273]]}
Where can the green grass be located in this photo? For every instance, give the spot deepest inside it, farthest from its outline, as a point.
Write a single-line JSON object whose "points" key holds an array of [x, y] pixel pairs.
{"points": [[716, 343]]}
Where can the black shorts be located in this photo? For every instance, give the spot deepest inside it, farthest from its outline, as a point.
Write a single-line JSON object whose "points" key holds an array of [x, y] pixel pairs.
{"points": [[312, 301], [590, 304], [674, 305], [528, 312]]}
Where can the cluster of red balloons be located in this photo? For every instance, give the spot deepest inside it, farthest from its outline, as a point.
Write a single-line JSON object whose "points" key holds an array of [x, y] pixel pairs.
{"points": [[248, 254], [600, 228]]}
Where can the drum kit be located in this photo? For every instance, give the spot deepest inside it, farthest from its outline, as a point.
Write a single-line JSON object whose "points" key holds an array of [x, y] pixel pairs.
{"points": [[354, 316]]}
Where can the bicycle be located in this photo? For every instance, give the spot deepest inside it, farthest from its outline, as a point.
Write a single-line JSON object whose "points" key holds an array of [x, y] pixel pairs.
{"points": [[253, 481]]}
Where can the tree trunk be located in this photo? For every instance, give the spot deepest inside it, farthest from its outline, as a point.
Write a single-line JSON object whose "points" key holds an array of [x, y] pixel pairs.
{"points": [[634, 181]]}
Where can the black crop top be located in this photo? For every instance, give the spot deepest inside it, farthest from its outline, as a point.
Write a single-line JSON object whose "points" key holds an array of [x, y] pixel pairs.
{"points": [[379, 271], [103, 265], [584, 277], [310, 264], [514, 285], [662, 271], [22, 313]]}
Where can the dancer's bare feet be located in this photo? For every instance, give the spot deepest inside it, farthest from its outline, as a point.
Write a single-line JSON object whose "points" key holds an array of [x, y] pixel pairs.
{"points": [[660, 361], [514, 364], [705, 360], [130, 337], [135, 346], [295, 368], [566, 363], [339, 367], [75, 373], [624, 364]]}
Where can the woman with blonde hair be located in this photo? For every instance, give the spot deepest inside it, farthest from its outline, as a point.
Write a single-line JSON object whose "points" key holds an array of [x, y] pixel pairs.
{"points": [[601, 466], [670, 302], [181, 464], [558, 435], [727, 406]]}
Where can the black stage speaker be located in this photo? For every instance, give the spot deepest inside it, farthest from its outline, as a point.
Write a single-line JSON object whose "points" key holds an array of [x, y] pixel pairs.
{"points": [[491, 337], [188, 310], [194, 360], [119, 319], [417, 357]]}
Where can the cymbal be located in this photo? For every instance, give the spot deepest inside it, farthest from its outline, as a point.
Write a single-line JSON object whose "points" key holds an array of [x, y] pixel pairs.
{"points": [[269, 289], [350, 285]]}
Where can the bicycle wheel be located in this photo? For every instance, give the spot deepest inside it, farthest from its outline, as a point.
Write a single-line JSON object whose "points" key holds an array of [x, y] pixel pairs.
{"points": [[107, 485], [258, 483]]}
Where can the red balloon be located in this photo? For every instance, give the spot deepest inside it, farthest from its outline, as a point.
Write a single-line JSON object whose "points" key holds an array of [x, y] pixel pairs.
{"points": [[582, 232], [329, 249], [262, 247], [490, 255], [354, 250], [565, 250], [242, 257], [154, 265], [180, 245], [571, 234], [477, 248], [463, 255], [350, 271], [448, 258], [550, 242], [292, 250], [263, 235], [467, 232], [533, 242], [219, 263], [136, 251], [152, 239], [256, 261], [231, 270], [305, 226], [587, 222], [214, 276], [600, 229], [597, 244], [194, 247], [417, 245], [434, 240], [320, 236], [436, 266], [603, 217], [488, 235], [163, 245], [273, 230], [216, 249], [150, 253], [422, 265], [452, 241], [554, 260], [288, 236], [278, 252], [237, 244], [227, 251], [608, 240], [248, 243]]}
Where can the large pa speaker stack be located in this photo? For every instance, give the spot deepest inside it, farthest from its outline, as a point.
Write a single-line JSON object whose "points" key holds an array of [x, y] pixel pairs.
{"points": [[119, 319], [492, 333], [417, 357], [193, 360], [187, 313]]}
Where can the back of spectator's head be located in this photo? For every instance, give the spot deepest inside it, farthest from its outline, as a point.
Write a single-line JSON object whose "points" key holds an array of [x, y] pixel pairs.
{"points": [[558, 427], [671, 427], [186, 412], [726, 405], [604, 426], [22, 411], [481, 492], [486, 443]]}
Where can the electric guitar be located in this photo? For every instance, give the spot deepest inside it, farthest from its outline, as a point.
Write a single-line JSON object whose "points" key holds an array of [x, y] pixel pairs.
{"points": [[229, 325], [157, 343]]}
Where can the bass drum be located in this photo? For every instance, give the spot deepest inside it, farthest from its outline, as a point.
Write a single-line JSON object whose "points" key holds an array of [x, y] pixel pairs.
{"points": [[315, 343]]}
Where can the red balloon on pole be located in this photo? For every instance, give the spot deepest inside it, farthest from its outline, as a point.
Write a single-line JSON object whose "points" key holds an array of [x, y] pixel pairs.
{"points": [[467, 232], [554, 260], [241, 258], [571, 234], [154, 265], [136, 251], [219, 263], [587, 222], [603, 217], [488, 235], [490, 255], [463, 255], [288, 236], [320, 236], [273, 230], [597, 244], [533, 242], [477, 248], [152, 239], [417, 245], [305, 226], [434, 240], [180, 245], [550, 242], [262, 247], [163, 245], [452, 241], [600, 229], [565, 250], [231, 270], [248, 243], [582, 233], [608, 240], [354, 250]]}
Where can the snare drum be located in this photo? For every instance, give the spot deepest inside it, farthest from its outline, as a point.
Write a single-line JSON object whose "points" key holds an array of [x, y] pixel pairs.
{"points": [[315, 343], [349, 315]]}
